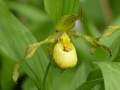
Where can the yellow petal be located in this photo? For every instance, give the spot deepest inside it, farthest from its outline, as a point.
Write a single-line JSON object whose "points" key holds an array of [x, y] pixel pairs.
{"points": [[65, 55], [63, 58], [65, 40]]}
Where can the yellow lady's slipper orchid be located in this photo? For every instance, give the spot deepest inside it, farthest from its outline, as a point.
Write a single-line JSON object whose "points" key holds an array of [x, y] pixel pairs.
{"points": [[61, 51], [64, 53]]}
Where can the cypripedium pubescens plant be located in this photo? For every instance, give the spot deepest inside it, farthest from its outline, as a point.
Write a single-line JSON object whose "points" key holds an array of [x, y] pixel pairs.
{"points": [[60, 48]]}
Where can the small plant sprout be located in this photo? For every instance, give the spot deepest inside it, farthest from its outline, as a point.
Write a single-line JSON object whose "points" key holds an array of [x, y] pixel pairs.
{"points": [[60, 48]]}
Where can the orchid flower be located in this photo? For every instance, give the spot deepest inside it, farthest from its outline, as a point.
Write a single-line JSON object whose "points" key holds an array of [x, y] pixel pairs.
{"points": [[60, 48]]}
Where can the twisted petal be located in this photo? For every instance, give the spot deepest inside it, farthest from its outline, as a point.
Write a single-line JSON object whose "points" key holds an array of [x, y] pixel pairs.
{"points": [[91, 40], [109, 31], [30, 51], [15, 71]]}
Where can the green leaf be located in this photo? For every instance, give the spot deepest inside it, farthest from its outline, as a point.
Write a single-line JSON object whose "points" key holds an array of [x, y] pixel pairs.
{"points": [[29, 12], [27, 82], [89, 84], [14, 39], [95, 74], [111, 75], [6, 72], [58, 8], [80, 75]]}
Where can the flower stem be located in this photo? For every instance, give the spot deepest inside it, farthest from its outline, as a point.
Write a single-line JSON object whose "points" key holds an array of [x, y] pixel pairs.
{"points": [[46, 73]]}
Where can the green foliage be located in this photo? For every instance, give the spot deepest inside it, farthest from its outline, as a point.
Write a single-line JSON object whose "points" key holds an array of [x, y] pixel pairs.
{"points": [[111, 74], [15, 38], [61, 7], [89, 84], [5, 73]]}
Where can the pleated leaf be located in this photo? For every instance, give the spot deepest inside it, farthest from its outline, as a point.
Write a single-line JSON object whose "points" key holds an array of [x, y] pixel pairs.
{"points": [[80, 75], [89, 84], [111, 75], [14, 39], [57, 8]]}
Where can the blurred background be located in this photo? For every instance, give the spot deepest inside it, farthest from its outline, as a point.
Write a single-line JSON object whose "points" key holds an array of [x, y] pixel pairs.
{"points": [[97, 15]]}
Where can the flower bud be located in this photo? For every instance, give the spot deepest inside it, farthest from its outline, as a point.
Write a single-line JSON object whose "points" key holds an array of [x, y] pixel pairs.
{"points": [[64, 53]]}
